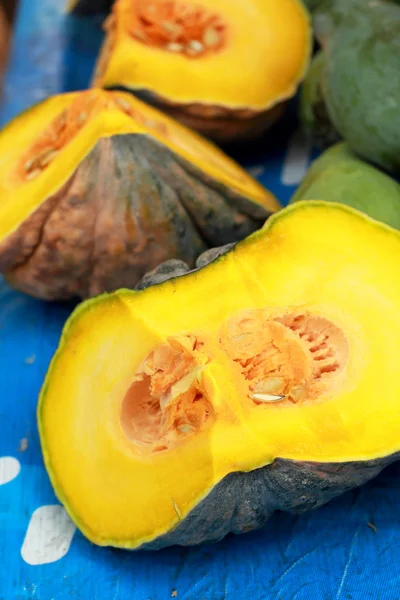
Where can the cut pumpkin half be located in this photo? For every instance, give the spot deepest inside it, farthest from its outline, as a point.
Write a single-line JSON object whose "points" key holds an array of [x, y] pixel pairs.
{"points": [[266, 380], [225, 68]]}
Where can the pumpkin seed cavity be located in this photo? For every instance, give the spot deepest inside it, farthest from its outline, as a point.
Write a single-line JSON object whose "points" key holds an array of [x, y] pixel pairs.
{"points": [[58, 134], [282, 359], [166, 401], [291, 358], [178, 27], [66, 126]]}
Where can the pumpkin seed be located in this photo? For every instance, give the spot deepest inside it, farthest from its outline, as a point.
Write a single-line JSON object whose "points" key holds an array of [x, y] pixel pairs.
{"points": [[172, 28], [211, 38], [195, 46], [140, 35], [33, 174], [297, 393], [185, 428], [123, 103], [61, 123], [270, 385], [82, 117], [47, 158], [174, 47], [29, 164], [267, 398]]}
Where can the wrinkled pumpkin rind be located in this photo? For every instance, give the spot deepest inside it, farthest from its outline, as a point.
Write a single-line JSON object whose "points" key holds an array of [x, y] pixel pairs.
{"points": [[282, 484], [286, 485]]}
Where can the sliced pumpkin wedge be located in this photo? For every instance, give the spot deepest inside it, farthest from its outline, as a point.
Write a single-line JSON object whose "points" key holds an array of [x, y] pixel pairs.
{"points": [[97, 188]]}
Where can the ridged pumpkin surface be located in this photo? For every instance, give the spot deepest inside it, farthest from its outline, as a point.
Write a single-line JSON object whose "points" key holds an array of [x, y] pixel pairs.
{"points": [[97, 188], [266, 380], [219, 66]]}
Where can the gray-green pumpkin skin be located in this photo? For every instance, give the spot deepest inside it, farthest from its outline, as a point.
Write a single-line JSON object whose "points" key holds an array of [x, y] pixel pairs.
{"points": [[314, 117], [285, 485], [339, 175], [360, 79]]}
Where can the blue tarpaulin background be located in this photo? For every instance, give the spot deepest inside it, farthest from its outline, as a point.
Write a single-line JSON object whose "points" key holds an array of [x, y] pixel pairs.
{"points": [[347, 550]]}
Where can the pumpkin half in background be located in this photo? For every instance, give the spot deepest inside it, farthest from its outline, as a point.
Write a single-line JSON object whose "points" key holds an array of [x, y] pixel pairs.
{"points": [[267, 380], [224, 68], [97, 188]]}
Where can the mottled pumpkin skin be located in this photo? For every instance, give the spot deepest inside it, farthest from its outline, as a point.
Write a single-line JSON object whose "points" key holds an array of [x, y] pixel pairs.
{"points": [[340, 176], [243, 502], [361, 75], [130, 205]]}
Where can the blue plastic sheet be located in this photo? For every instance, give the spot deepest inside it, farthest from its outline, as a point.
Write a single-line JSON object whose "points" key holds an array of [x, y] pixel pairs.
{"points": [[347, 550]]}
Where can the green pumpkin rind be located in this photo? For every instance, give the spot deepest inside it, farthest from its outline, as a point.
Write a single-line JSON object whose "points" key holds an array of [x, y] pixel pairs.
{"points": [[314, 116], [361, 79], [285, 485], [340, 176]]}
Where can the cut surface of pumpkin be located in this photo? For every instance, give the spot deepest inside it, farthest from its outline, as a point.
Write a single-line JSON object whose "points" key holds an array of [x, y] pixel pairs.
{"points": [[223, 68], [79, 165], [266, 380]]}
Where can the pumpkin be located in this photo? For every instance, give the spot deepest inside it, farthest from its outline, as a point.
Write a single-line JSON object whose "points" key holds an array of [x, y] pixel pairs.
{"points": [[97, 188], [360, 76], [338, 175], [223, 68], [266, 380]]}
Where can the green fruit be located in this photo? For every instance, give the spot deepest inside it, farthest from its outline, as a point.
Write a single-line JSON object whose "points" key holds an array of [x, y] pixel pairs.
{"points": [[361, 81], [314, 116], [339, 176]]}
